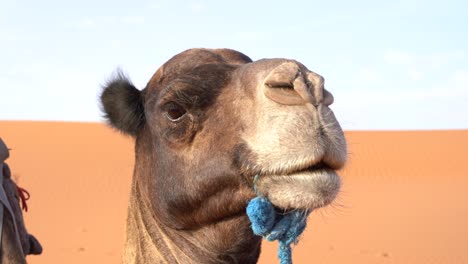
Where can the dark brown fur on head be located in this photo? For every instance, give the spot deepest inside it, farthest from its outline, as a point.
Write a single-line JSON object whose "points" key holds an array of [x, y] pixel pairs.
{"points": [[190, 182]]}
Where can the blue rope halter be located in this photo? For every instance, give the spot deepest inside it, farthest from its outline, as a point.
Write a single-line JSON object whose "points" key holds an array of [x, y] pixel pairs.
{"points": [[271, 225]]}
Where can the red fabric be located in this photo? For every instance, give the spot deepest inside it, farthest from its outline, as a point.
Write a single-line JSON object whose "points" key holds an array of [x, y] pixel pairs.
{"points": [[23, 197]]}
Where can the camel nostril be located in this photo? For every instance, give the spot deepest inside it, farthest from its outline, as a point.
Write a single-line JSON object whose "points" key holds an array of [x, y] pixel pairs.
{"points": [[283, 94], [282, 85], [279, 84]]}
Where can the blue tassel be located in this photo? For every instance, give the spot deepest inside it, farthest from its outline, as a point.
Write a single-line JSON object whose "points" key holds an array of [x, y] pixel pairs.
{"points": [[262, 213], [266, 222]]}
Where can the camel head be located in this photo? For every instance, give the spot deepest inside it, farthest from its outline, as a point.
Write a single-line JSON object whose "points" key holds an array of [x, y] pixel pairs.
{"points": [[209, 121]]}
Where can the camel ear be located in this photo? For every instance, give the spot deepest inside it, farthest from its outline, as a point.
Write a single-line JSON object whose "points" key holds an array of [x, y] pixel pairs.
{"points": [[123, 105]]}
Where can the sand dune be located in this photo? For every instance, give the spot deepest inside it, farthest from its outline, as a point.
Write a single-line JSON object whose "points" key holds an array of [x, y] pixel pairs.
{"points": [[404, 197]]}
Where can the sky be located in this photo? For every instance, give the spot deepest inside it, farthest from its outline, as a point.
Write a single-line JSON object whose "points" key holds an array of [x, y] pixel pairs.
{"points": [[391, 65]]}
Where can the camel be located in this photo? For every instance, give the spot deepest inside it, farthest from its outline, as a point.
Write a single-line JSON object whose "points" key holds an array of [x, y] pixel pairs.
{"points": [[207, 124], [15, 241]]}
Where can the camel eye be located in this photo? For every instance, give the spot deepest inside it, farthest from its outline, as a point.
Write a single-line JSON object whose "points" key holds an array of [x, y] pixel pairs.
{"points": [[174, 112]]}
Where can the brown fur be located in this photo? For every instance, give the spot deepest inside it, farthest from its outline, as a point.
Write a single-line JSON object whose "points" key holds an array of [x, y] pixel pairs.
{"points": [[209, 121]]}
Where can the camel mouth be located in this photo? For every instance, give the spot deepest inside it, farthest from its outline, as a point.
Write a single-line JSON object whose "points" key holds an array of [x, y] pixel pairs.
{"points": [[308, 188], [317, 167]]}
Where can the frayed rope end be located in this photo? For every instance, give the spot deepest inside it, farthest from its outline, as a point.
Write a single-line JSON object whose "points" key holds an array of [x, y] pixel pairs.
{"points": [[286, 228]]}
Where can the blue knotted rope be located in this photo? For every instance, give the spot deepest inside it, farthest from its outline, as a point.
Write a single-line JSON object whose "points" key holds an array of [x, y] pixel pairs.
{"points": [[271, 225]]}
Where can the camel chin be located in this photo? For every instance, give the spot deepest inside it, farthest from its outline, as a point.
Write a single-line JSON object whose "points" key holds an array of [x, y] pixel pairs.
{"points": [[307, 190]]}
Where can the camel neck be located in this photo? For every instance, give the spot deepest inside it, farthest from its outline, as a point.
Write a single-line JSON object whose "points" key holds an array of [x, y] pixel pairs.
{"points": [[150, 241]]}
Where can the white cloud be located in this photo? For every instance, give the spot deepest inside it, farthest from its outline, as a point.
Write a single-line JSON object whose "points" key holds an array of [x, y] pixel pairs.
{"points": [[368, 75], [116, 44], [417, 67], [86, 23], [106, 21], [459, 80], [398, 57], [134, 20], [442, 59], [154, 5], [415, 74], [196, 7], [256, 36], [434, 60], [455, 86]]}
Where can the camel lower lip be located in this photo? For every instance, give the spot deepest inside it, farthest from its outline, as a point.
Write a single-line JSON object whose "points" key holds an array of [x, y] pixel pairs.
{"points": [[307, 189]]}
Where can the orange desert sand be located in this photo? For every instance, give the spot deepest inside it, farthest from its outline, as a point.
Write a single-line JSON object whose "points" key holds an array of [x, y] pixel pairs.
{"points": [[404, 197]]}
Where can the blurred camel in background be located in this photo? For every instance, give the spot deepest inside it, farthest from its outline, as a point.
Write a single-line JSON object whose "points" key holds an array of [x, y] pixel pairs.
{"points": [[15, 241]]}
